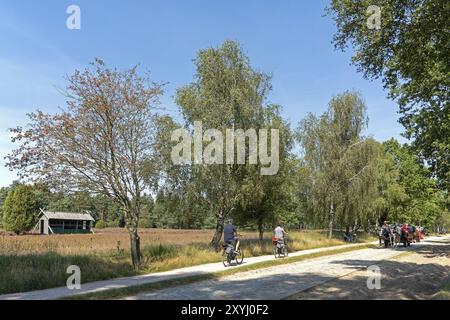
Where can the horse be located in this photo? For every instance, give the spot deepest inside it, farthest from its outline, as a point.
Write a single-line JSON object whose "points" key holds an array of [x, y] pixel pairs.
{"points": [[388, 237]]}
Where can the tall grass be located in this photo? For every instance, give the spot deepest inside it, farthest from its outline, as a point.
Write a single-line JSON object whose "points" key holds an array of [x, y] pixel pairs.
{"points": [[40, 271], [38, 262]]}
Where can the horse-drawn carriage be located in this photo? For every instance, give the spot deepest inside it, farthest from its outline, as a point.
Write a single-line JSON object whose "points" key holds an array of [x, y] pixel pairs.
{"points": [[396, 234]]}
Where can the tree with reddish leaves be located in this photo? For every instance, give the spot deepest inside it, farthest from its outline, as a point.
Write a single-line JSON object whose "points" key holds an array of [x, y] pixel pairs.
{"points": [[102, 142]]}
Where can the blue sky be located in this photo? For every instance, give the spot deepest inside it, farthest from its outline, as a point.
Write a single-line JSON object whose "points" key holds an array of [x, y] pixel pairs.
{"points": [[289, 39]]}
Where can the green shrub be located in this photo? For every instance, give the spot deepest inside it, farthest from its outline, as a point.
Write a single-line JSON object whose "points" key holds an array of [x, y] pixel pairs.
{"points": [[21, 209], [100, 224], [144, 223], [113, 224], [160, 252]]}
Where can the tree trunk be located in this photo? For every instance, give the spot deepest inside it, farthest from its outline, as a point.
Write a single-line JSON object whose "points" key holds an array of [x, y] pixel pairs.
{"points": [[215, 242], [355, 225], [135, 248], [330, 222], [261, 231], [132, 219]]}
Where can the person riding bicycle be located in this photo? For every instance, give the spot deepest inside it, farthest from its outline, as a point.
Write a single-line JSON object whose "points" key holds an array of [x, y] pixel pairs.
{"points": [[230, 235], [280, 233]]}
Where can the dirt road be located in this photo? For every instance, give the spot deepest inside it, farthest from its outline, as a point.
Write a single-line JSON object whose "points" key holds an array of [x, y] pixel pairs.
{"points": [[413, 273], [418, 275]]}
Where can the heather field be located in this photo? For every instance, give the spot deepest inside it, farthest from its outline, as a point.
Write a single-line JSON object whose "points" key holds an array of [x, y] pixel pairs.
{"points": [[32, 262]]}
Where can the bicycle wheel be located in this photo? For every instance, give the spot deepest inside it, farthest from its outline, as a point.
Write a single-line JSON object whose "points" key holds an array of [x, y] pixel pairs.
{"points": [[239, 256], [285, 251], [226, 259]]}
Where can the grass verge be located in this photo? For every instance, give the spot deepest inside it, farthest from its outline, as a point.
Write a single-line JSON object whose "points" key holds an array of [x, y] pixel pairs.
{"points": [[132, 290], [444, 293]]}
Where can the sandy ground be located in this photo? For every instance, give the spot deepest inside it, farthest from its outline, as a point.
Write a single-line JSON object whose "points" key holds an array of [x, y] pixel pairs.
{"points": [[423, 269], [414, 275]]}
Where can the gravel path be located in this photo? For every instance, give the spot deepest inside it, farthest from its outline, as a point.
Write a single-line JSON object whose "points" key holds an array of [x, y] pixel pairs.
{"points": [[284, 281]]}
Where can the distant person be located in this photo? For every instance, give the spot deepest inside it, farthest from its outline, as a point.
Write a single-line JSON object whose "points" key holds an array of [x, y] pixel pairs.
{"points": [[230, 235], [420, 230], [405, 228], [405, 232], [279, 232], [386, 229], [347, 235]]}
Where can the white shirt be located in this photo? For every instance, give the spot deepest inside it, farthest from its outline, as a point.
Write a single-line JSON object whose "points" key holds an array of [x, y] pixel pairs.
{"points": [[279, 232]]}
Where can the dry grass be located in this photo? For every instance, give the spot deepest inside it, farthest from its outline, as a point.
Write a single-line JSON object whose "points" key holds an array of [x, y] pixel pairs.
{"points": [[113, 239], [35, 262], [102, 241]]}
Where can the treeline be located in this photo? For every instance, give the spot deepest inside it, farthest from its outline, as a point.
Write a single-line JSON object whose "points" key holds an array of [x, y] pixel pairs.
{"points": [[340, 178], [385, 181], [165, 214], [111, 152]]}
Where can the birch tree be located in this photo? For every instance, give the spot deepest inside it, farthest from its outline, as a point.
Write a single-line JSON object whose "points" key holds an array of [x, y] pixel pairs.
{"points": [[339, 159]]}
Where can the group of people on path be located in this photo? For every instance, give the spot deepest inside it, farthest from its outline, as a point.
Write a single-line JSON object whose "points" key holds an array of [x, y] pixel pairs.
{"points": [[231, 237], [405, 227], [405, 230]]}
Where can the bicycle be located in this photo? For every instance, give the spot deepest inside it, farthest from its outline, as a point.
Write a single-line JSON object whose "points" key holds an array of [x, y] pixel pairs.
{"points": [[230, 253], [279, 247], [351, 238]]}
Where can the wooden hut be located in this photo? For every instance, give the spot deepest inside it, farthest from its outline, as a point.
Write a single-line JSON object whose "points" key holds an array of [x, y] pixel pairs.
{"points": [[64, 222]]}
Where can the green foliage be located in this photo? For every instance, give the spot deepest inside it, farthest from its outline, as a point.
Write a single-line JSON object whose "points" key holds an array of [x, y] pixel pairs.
{"points": [[21, 208], [172, 210], [114, 224], [410, 53], [264, 199], [144, 223], [105, 134], [3, 194], [227, 93], [341, 177], [342, 165], [100, 207], [413, 196], [160, 252], [100, 224]]}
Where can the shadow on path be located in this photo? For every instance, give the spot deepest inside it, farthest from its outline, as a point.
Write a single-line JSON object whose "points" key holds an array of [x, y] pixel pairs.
{"points": [[403, 279]]}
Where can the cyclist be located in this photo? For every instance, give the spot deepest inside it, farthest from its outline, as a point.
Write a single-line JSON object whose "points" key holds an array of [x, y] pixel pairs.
{"points": [[230, 235], [280, 233]]}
